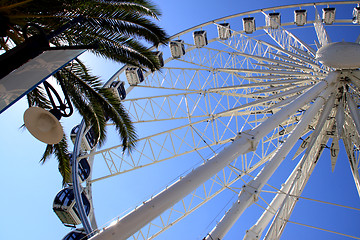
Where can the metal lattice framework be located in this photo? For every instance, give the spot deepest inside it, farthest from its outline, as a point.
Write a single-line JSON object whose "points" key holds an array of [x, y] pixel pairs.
{"points": [[230, 112]]}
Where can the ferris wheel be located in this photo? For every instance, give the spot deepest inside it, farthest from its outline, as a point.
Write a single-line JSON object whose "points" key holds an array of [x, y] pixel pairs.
{"points": [[230, 131]]}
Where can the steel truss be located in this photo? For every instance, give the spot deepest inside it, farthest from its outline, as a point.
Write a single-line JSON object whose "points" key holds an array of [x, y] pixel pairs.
{"points": [[237, 107]]}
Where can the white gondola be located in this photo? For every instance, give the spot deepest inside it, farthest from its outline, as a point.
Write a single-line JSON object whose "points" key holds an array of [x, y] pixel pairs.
{"points": [[356, 15], [200, 38], [88, 141], [300, 17], [224, 31], [159, 56], [73, 133], [77, 234], [177, 48], [328, 15], [65, 209], [84, 168], [273, 20], [134, 75], [118, 88], [249, 24]]}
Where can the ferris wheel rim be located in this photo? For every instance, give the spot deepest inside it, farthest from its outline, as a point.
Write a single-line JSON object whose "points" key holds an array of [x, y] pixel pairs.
{"points": [[237, 15], [199, 26]]}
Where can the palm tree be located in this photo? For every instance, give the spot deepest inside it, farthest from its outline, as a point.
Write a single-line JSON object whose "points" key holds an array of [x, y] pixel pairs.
{"points": [[123, 31]]}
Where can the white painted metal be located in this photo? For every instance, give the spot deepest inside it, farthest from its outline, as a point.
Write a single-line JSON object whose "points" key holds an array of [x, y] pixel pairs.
{"points": [[340, 118], [249, 193], [131, 223], [300, 17], [210, 94], [256, 231], [273, 20], [354, 111], [249, 24], [356, 15], [328, 15], [309, 162], [321, 32], [340, 55], [354, 162], [200, 38], [224, 31], [334, 151]]}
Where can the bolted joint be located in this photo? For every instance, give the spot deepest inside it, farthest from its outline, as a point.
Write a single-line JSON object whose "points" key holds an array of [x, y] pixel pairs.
{"points": [[251, 234], [253, 190], [251, 138]]}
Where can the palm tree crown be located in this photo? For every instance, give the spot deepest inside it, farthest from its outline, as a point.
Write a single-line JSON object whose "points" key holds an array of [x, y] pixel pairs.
{"points": [[121, 29]]}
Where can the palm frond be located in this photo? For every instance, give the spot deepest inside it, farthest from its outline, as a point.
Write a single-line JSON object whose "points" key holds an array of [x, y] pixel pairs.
{"points": [[37, 97], [103, 105], [124, 31], [62, 155], [143, 7]]}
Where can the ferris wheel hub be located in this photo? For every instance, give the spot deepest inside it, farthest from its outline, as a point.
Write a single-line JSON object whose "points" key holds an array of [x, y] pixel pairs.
{"points": [[340, 55]]}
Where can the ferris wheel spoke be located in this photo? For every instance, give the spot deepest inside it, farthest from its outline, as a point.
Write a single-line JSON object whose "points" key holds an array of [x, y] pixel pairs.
{"points": [[187, 106], [275, 67], [354, 112], [284, 62], [297, 61], [184, 140], [244, 99], [213, 132], [320, 30], [352, 150], [303, 173], [257, 229], [262, 84], [354, 163], [288, 40], [200, 175], [208, 57], [283, 102], [292, 56], [250, 191], [310, 54], [261, 101], [265, 71], [184, 79], [172, 106], [220, 182], [167, 107]]}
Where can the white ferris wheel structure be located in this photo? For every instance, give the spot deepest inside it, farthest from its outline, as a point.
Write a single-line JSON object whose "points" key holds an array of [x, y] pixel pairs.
{"points": [[243, 110]]}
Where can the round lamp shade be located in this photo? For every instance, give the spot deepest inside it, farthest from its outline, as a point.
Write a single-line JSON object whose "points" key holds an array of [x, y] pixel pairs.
{"points": [[43, 125]]}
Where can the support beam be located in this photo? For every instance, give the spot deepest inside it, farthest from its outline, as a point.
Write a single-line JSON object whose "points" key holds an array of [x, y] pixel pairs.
{"points": [[320, 30], [250, 191], [354, 111], [255, 232], [139, 217]]}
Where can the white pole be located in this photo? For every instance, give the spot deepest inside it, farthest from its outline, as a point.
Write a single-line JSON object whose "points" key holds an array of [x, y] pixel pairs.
{"points": [[152, 208], [354, 112], [256, 231], [250, 192]]}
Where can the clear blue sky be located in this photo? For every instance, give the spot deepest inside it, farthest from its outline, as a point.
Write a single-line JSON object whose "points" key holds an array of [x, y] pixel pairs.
{"points": [[28, 188]]}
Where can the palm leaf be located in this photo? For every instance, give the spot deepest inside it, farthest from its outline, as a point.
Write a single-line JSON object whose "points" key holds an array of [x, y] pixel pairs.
{"points": [[62, 155], [124, 31]]}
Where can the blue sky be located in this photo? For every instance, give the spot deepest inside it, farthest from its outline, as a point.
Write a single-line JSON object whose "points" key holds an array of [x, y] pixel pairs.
{"points": [[28, 188]]}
